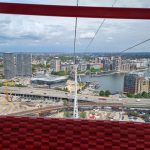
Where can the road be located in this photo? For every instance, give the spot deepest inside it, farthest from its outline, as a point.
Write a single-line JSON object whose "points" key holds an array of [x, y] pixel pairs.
{"points": [[51, 93]]}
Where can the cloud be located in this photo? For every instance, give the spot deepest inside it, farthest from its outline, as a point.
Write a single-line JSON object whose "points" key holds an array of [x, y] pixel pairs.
{"points": [[87, 35], [18, 30], [109, 39], [28, 29], [3, 42], [57, 43]]}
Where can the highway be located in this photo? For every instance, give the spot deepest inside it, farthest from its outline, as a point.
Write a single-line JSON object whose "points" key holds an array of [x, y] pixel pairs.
{"points": [[55, 94]]}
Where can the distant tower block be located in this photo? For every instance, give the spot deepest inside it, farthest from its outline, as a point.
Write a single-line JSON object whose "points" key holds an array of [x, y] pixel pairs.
{"points": [[56, 64], [9, 65], [24, 65]]}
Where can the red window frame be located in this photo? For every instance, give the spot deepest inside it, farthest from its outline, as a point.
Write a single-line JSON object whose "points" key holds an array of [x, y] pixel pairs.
{"points": [[74, 11]]}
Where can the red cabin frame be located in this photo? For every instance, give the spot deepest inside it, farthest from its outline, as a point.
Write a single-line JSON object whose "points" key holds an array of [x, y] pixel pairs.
{"points": [[74, 11]]}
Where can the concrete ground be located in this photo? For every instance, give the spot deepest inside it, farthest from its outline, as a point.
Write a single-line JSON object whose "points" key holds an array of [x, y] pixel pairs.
{"points": [[18, 105], [103, 115]]}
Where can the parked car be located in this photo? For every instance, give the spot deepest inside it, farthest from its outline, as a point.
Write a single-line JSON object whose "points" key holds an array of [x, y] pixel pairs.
{"points": [[102, 99]]}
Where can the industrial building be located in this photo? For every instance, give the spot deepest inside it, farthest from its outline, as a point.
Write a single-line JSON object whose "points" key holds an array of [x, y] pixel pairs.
{"points": [[9, 65]]}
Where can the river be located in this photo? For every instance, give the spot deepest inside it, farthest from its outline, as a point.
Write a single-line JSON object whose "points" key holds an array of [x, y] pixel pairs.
{"points": [[112, 82]]}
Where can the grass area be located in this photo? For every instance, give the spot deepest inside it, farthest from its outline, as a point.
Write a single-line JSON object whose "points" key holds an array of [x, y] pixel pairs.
{"points": [[61, 73], [93, 70]]}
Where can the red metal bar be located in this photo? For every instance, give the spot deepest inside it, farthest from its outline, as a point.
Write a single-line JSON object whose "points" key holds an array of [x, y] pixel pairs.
{"points": [[73, 11]]}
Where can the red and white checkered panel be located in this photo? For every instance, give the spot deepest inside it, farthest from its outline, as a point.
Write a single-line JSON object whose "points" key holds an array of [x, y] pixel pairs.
{"points": [[63, 134]]}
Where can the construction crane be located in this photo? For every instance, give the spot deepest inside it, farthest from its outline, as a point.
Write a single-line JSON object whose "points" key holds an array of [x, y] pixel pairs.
{"points": [[8, 96]]}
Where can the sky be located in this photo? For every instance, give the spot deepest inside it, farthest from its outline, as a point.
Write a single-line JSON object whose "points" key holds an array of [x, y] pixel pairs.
{"points": [[20, 33]]}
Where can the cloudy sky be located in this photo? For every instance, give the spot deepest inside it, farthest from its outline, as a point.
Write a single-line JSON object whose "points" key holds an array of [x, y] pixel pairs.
{"points": [[55, 34]]}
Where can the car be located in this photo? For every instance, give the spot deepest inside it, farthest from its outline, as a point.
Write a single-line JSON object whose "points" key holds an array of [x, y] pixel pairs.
{"points": [[138, 100], [102, 99]]}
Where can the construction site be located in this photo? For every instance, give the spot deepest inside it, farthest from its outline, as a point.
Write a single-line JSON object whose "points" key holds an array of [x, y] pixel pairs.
{"points": [[12, 104]]}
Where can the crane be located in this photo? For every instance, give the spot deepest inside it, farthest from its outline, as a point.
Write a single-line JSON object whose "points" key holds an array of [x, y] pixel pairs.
{"points": [[7, 93]]}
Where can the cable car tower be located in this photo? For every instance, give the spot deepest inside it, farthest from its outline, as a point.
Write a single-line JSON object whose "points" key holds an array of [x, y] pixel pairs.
{"points": [[75, 108]]}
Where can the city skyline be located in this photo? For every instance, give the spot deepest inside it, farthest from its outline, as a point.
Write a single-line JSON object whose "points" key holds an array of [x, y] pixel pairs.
{"points": [[48, 34]]}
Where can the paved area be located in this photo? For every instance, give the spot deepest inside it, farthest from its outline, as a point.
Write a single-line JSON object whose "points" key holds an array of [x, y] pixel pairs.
{"points": [[17, 106], [11, 107]]}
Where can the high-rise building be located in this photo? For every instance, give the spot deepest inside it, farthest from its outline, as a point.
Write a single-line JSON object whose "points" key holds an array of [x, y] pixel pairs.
{"points": [[143, 85], [106, 64], [24, 65], [97, 60], [56, 65], [9, 65], [135, 83], [116, 65], [130, 83]]}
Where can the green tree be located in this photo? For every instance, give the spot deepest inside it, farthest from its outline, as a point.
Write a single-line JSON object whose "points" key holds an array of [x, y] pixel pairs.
{"points": [[148, 95], [65, 89], [144, 94], [61, 73], [107, 93], [130, 95], [48, 66], [65, 102], [1, 84], [67, 114], [138, 95], [33, 68], [102, 93], [83, 114]]}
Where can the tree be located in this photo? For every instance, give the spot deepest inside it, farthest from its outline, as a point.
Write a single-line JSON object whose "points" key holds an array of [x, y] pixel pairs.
{"points": [[83, 114], [33, 69], [1, 84], [66, 90], [102, 93], [67, 114], [61, 73], [148, 95], [144, 94], [48, 66], [65, 102], [138, 95], [130, 95], [107, 93]]}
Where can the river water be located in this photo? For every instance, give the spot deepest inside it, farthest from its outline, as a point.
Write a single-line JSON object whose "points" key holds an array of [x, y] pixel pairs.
{"points": [[112, 82]]}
